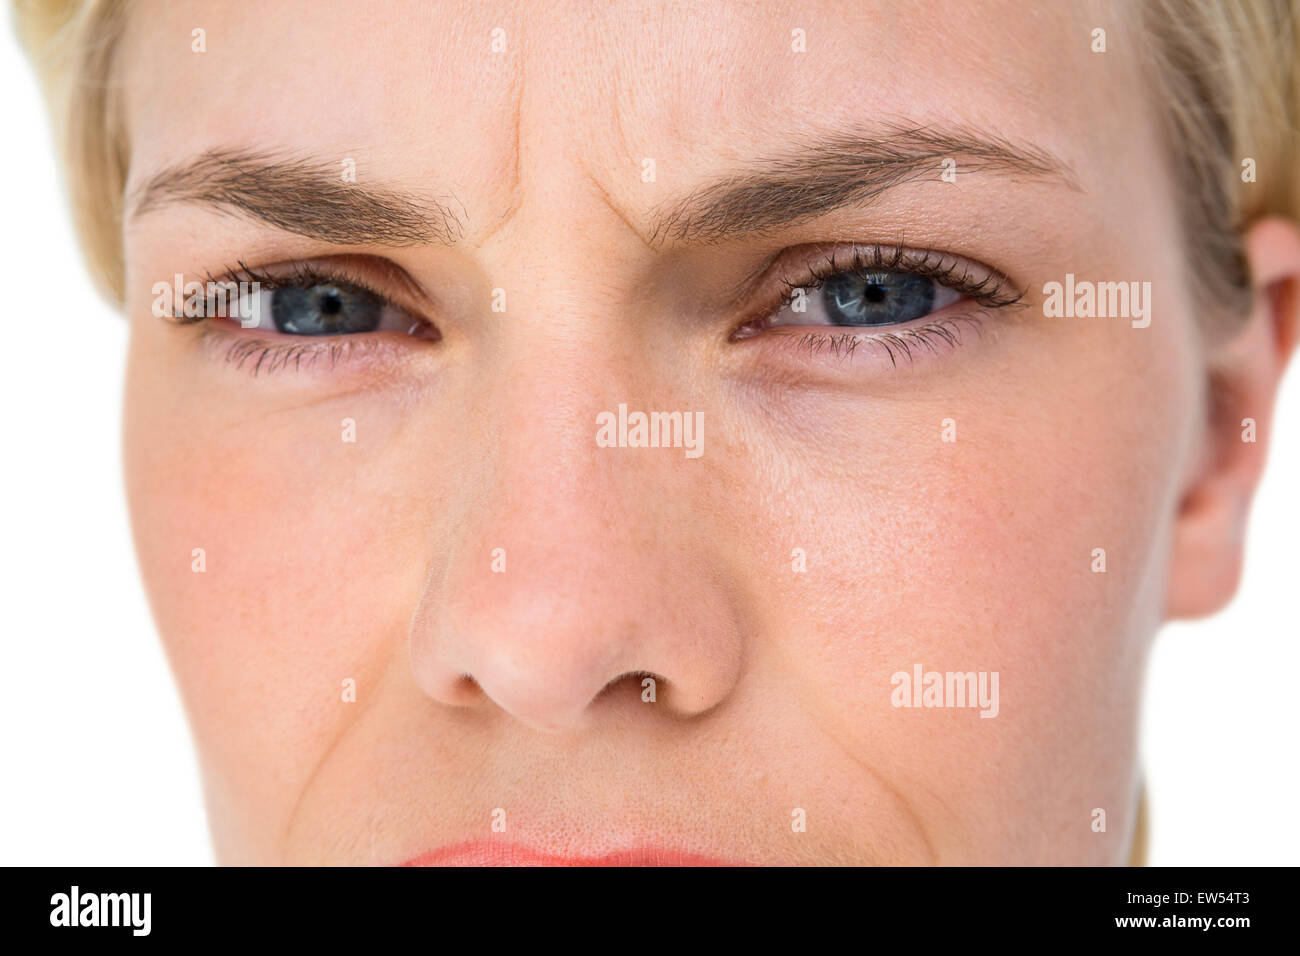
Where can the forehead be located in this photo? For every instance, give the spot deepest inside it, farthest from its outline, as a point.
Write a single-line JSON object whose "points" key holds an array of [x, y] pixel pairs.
{"points": [[476, 96]]}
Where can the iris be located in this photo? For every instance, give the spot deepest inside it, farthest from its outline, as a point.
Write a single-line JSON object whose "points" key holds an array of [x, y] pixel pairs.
{"points": [[872, 297], [325, 309]]}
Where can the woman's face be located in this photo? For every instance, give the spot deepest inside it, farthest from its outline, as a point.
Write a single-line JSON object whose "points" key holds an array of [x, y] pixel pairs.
{"points": [[413, 585]]}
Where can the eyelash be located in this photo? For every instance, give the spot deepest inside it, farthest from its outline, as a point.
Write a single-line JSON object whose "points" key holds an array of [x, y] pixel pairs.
{"points": [[279, 356], [298, 274], [991, 292], [994, 290], [271, 356], [843, 345]]}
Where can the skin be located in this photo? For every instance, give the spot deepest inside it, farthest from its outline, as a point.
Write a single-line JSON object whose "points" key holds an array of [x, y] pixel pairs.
{"points": [[329, 560]]}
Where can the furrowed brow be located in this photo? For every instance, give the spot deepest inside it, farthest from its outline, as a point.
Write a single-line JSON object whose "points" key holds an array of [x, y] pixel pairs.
{"points": [[838, 171], [302, 197]]}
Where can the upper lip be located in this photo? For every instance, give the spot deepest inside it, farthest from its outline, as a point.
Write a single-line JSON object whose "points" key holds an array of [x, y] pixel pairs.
{"points": [[501, 853]]}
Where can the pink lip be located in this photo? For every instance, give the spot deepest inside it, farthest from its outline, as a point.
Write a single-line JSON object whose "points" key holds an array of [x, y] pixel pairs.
{"points": [[490, 853]]}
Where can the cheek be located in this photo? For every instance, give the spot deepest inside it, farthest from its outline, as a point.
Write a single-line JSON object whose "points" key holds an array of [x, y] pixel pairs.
{"points": [[978, 555], [308, 572]]}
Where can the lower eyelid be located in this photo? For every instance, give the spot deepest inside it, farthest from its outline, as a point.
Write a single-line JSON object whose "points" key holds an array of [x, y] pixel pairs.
{"points": [[901, 347], [251, 352]]}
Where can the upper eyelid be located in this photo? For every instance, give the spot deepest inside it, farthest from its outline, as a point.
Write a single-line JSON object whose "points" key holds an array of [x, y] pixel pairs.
{"points": [[351, 271], [949, 269], [282, 275], [818, 262], [995, 292]]}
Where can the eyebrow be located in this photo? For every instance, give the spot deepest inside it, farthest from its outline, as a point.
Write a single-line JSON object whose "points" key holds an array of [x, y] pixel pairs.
{"points": [[303, 197], [839, 170]]}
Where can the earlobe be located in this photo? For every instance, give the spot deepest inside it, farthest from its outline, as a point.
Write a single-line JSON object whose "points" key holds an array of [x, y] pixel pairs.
{"points": [[1244, 374]]}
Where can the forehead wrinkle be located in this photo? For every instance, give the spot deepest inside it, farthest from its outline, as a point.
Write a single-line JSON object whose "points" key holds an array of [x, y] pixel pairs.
{"points": [[515, 187]]}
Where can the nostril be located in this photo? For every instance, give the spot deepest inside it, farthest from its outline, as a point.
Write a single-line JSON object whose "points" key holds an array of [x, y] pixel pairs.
{"points": [[645, 685], [466, 689]]}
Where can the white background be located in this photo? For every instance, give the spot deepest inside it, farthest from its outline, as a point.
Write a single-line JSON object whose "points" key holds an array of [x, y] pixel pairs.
{"points": [[95, 760]]}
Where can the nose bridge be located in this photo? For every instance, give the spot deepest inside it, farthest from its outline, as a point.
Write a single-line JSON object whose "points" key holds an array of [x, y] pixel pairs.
{"points": [[565, 350], [564, 511]]}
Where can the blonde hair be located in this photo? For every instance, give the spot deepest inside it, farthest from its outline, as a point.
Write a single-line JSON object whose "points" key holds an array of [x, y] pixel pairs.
{"points": [[71, 44], [1227, 74]]}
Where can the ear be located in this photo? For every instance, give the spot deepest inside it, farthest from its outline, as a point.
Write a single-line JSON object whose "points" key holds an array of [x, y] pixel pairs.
{"points": [[1244, 376]]}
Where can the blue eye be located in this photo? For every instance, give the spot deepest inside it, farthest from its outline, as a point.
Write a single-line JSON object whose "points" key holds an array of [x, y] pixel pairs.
{"points": [[867, 298], [879, 298], [325, 309], [309, 302], [889, 288]]}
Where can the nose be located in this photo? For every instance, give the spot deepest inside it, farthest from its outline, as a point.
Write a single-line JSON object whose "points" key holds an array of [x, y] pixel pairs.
{"points": [[563, 566]]}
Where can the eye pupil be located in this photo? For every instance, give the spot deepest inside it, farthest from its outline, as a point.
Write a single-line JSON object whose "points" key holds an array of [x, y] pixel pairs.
{"points": [[331, 302]]}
